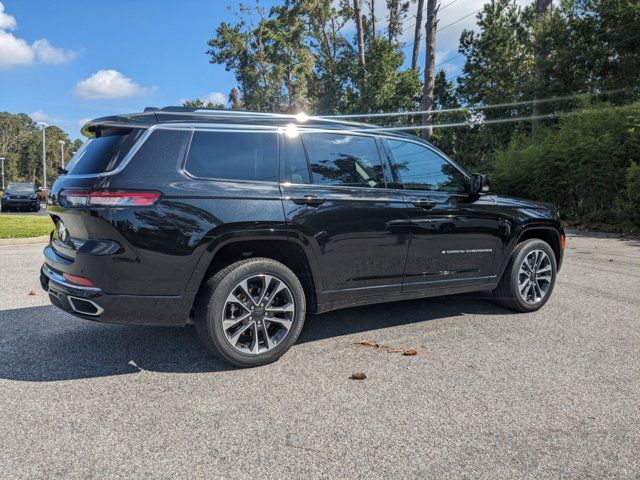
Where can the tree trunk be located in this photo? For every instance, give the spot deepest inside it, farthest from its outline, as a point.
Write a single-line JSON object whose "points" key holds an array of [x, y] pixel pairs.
{"points": [[372, 6], [543, 9], [358, 14], [429, 68], [417, 36]]}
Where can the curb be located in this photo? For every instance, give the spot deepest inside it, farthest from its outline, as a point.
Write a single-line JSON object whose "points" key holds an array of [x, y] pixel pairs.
{"points": [[23, 241]]}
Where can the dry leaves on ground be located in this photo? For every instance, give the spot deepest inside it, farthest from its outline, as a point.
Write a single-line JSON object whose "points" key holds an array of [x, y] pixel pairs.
{"points": [[366, 343]]}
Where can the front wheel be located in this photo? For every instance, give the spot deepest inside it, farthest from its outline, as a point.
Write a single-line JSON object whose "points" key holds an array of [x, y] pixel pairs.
{"points": [[251, 312], [529, 278]]}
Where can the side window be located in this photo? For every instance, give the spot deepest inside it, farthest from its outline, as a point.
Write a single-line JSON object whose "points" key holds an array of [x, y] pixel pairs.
{"points": [[294, 161], [421, 168], [342, 159], [234, 155]]}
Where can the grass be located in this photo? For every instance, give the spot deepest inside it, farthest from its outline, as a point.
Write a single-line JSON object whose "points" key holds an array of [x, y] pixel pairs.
{"points": [[23, 226]]}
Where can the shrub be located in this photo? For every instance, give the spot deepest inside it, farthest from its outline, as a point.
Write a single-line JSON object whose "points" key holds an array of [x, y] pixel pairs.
{"points": [[584, 164]]}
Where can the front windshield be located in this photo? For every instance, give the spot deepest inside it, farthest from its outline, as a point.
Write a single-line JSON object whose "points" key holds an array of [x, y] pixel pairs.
{"points": [[21, 188]]}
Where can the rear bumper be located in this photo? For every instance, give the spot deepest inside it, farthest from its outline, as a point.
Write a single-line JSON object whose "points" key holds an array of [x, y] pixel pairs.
{"points": [[93, 304]]}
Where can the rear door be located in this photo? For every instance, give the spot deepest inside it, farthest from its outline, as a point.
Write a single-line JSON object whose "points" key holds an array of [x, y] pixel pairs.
{"points": [[453, 236], [339, 204]]}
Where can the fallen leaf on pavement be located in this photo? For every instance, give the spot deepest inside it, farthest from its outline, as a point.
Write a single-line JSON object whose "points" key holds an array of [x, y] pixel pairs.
{"points": [[32, 291], [367, 343]]}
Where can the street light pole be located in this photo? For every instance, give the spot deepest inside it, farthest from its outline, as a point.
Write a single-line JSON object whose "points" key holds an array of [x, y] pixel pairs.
{"points": [[61, 142], [44, 153], [2, 159]]}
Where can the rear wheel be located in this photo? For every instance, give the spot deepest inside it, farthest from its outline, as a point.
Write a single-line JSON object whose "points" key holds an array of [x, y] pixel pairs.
{"points": [[251, 312], [529, 278]]}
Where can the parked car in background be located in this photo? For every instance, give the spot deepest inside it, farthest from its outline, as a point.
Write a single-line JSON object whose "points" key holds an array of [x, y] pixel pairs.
{"points": [[243, 222], [20, 196]]}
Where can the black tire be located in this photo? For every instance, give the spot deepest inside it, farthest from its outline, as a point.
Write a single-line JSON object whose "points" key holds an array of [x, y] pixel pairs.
{"points": [[506, 293], [210, 306]]}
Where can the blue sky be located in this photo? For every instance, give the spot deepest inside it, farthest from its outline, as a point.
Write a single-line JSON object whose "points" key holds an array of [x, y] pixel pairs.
{"points": [[57, 58]]}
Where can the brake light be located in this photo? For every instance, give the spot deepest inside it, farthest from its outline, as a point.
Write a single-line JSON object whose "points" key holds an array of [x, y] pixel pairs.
{"points": [[104, 198], [78, 280]]}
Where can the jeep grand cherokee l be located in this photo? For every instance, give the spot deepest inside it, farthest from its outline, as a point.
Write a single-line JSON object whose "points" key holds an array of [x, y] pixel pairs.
{"points": [[243, 222]]}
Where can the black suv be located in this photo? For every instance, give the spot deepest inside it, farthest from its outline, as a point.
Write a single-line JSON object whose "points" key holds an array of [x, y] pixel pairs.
{"points": [[20, 196], [243, 222]]}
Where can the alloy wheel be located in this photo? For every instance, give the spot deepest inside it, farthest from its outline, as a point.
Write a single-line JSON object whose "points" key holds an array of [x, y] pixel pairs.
{"points": [[534, 276], [258, 314]]}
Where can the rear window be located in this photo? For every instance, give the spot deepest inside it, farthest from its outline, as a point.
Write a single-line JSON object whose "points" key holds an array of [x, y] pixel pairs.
{"points": [[105, 152], [234, 156]]}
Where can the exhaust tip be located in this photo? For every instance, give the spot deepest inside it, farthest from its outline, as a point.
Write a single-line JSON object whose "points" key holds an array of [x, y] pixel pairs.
{"points": [[85, 307]]}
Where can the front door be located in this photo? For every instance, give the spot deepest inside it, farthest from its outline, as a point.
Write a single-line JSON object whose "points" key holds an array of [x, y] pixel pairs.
{"points": [[453, 237], [340, 205]]}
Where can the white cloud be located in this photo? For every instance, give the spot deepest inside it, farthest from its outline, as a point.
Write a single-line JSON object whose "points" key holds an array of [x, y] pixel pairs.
{"points": [[16, 51], [7, 22], [40, 116], [108, 84], [217, 98], [47, 53]]}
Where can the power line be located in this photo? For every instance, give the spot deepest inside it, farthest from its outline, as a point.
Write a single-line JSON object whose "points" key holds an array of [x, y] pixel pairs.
{"points": [[492, 121], [459, 20], [482, 107], [423, 10]]}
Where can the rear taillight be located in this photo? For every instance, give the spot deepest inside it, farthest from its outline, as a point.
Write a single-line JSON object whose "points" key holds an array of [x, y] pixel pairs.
{"points": [[104, 198]]}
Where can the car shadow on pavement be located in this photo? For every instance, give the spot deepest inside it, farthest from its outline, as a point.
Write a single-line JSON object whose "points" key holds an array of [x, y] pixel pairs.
{"points": [[43, 344]]}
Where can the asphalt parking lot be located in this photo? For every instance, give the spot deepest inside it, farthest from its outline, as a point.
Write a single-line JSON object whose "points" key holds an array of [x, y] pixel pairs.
{"points": [[490, 394]]}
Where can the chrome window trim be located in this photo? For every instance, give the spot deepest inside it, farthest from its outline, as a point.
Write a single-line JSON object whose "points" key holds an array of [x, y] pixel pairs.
{"points": [[244, 128]]}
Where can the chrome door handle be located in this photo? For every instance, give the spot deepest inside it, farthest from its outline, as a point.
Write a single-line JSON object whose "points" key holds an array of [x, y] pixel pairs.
{"points": [[423, 203], [311, 200]]}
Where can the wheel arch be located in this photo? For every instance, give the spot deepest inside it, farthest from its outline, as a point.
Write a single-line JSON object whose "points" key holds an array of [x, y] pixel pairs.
{"points": [[288, 250], [547, 233]]}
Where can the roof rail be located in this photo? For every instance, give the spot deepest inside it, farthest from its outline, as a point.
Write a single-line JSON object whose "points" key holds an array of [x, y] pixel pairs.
{"points": [[252, 113]]}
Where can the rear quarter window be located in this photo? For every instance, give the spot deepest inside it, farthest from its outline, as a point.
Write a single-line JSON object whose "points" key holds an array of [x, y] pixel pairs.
{"points": [[105, 152], [233, 156]]}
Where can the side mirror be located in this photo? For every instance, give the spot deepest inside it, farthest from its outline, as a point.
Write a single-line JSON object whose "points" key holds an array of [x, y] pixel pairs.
{"points": [[478, 184]]}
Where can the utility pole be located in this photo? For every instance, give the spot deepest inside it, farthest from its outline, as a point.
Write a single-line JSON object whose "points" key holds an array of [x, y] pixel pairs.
{"points": [[2, 159], [417, 36], [61, 142], [44, 153], [429, 68], [359, 30]]}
